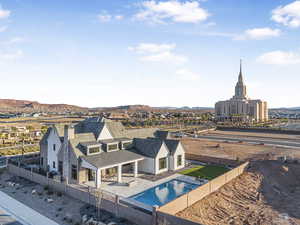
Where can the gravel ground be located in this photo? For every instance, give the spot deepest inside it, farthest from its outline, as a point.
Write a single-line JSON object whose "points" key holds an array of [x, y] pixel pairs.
{"points": [[63, 210], [267, 194]]}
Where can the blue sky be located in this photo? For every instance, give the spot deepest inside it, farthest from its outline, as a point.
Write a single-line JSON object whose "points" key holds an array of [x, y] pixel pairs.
{"points": [[159, 53]]}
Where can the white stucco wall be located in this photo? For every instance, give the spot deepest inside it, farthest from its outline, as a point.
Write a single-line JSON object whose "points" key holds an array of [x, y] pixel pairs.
{"points": [[147, 165], [52, 155], [163, 152], [105, 134], [173, 159]]}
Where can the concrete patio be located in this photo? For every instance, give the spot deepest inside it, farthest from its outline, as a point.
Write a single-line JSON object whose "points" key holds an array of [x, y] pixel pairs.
{"points": [[141, 184]]}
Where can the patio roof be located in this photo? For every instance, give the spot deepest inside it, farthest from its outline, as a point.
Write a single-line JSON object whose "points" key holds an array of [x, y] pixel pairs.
{"points": [[110, 159]]}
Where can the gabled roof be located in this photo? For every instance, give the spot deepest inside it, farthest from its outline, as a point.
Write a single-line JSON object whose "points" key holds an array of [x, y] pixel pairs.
{"points": [[162, 134], [148, 147], [172, 145], [116, 129], [81, 138], [59, 129], [46, 135]]}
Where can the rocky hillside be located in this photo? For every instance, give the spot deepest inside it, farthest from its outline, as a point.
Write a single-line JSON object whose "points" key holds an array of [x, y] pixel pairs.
{"points": [[12, 105]]}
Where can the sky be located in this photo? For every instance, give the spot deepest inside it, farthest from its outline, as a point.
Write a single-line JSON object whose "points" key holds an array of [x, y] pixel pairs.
{"points": [[98, 53]]}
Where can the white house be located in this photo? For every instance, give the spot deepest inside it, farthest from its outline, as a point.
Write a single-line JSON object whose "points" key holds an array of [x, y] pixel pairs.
{"points": [[97, 147]]}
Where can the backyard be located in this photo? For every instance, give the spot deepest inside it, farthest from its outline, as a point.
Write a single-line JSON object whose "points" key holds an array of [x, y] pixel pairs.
{"points": [[208, 172]]}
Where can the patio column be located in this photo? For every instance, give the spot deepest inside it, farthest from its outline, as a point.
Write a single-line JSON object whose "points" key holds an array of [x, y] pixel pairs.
{"points": [[98, 178], [135, 169], [119, 173]]}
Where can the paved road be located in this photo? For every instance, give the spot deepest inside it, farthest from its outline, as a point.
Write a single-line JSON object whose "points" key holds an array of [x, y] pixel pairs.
{"points": [[293, 144], [20, 214]]}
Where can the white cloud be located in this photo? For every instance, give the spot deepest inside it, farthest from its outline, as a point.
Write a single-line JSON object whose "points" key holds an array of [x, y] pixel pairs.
{"points": [[152, 52], [187, 75], [288, 15], [11, 56], [258, 34], [279, 58], [4, 13], [105, 17], [182, 12]]}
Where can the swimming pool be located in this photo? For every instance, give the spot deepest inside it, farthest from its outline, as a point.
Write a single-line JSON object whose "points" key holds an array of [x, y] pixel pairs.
{"points": [[164, 193]]}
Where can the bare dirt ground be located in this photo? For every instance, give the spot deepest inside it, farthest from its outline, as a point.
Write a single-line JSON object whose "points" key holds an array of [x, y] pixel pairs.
{"points": [[229, 150], [64, 210], [267, 194]]}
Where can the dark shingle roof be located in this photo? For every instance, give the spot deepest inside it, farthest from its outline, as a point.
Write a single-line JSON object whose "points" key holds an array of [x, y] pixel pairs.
{"points": [[162, 134], [105, 159], [148, 147], [81, 138], [172, 145]]}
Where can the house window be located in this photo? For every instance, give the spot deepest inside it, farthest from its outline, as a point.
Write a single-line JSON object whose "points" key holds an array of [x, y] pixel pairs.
{"points": [[94, 150], [42, 161], [112, 147], [74, 172], [60, 167], [179, 160], [162, 163], [54, 147], [53, 164], [126, 145]]}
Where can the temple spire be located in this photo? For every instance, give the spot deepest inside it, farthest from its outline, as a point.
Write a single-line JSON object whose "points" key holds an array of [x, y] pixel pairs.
{"points": [[241, 74]]}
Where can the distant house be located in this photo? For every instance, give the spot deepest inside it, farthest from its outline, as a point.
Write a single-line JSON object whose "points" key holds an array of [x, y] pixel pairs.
{"points": [[97, 147]]}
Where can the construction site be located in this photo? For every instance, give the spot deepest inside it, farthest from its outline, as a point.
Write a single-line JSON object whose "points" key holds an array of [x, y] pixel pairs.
{"points": [[267, 192]]}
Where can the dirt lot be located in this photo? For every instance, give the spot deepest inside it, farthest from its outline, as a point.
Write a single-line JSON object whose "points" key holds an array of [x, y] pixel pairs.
{"points": [[227, 150], [268, 193]]}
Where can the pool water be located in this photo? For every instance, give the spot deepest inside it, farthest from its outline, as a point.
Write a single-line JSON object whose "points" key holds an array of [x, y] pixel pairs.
{"points": [[164, 193]]}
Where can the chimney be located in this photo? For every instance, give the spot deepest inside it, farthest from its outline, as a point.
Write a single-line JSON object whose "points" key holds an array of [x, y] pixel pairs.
{"points": [[69, 132]]}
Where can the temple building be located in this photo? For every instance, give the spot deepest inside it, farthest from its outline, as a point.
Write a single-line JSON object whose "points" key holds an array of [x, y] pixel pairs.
{"points": [[240, 107]]}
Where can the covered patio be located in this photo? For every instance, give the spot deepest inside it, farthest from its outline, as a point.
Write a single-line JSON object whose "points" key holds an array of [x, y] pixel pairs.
{"points": [[97, 168]]}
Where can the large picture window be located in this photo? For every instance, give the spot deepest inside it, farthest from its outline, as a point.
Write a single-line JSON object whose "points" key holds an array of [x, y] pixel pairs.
{"points": [[179, 160], [74, 172], [162, 163]]}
